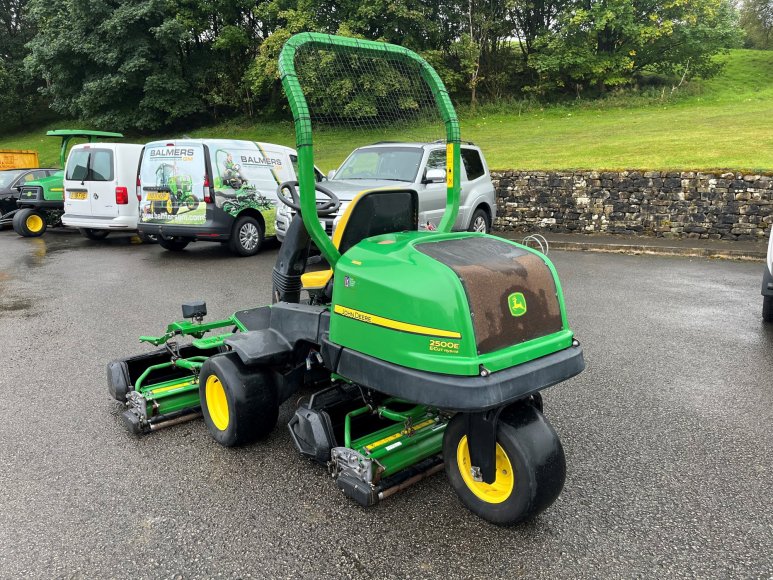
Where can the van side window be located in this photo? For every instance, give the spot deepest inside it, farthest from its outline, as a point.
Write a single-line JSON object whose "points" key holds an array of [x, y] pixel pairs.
{"points": [[78, 165], [472, 164], [101, 166]]}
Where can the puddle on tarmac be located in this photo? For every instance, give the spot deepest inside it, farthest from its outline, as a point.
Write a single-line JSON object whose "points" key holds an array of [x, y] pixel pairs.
{"points": [[10, 304]]}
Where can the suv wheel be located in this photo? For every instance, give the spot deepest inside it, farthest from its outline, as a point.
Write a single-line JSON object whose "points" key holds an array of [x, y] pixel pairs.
{"points": [[480, 222], [246, 236]]}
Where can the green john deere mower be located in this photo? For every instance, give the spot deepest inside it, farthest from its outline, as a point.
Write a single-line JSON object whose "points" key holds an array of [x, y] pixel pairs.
{"points": [[417, 350]]}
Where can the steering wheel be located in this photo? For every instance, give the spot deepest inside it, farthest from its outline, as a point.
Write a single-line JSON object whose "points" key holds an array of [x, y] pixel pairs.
{"points": [[294, 201]]}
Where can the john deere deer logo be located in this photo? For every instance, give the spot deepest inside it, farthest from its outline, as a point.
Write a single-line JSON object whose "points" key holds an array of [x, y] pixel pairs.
{"points": [[517, 303]]}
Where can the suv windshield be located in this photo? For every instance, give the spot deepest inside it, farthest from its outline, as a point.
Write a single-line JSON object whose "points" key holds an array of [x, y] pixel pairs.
{"points": [[8, 177], [383, 163]]}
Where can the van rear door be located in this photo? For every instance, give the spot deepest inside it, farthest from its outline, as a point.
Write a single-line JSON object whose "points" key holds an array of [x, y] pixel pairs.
{"points": [[172, 181], [76, 193], [102, 183]]}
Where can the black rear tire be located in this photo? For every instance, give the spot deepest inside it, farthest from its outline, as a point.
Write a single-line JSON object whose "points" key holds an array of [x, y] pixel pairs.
{"points": [[246, 236], [93, 234], [29, 223], [174, 244], [531, 467], [147, 238], [239, 403], [767, 308]]}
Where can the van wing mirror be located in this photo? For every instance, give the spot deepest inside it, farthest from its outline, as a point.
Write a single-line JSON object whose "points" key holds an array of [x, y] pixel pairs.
{"points": [[331, 173], [435, 175]]}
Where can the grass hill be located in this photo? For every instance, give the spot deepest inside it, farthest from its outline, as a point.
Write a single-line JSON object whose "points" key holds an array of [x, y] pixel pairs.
{"points": [[722, 123]]}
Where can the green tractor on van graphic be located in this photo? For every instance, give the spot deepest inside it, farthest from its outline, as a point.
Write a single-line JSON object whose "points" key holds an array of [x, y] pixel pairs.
{"points": [[172, 191]]}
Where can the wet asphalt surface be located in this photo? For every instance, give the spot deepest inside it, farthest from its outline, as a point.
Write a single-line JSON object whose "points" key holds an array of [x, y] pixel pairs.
{"points": [[667, 434]]}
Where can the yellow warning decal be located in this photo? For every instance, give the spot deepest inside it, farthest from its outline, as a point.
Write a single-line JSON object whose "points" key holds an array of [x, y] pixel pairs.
{"points": [[393, 324], [394, 436], [449, 165]]}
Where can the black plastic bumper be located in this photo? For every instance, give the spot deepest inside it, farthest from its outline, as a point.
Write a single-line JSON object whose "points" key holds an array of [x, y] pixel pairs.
{"points": [[202, 233], [459, 393]]}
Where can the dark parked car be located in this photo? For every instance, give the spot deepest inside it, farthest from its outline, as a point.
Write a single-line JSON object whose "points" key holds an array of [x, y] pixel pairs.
{"points": [[10, 182]]}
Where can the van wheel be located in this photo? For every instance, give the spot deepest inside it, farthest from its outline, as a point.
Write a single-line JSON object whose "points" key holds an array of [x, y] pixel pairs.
{"points": [[147, 238], [29, 223], [246, 236], [767, 308], [174, 244], [94, 234], [480, 222]]}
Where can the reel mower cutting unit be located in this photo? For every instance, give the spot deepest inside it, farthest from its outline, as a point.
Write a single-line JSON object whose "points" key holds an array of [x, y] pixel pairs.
{"points": [[419, 350]]}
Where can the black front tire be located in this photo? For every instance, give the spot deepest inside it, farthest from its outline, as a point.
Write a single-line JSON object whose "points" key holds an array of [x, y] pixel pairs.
{"points": [[767, 308], [174, 244], [528, 481], [93, 234], [246, 236], [29, 223], [480, 222], [239, 403]]}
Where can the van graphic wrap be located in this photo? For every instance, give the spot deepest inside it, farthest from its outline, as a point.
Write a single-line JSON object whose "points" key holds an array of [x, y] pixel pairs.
{"points": [[248, 178], [173, 185]]}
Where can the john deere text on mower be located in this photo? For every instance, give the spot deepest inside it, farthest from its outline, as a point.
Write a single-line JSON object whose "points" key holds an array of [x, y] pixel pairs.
{"points": [[424, 348]]}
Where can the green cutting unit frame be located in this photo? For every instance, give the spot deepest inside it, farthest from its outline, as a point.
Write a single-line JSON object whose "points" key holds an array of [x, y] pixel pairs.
{"points": [[419, 351]]}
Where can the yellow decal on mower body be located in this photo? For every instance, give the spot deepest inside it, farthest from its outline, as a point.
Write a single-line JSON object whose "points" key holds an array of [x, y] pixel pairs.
{"points": [[393, 324]]}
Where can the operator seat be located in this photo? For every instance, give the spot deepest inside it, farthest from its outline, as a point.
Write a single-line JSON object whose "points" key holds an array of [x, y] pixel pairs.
{"points": [[372, 213]]}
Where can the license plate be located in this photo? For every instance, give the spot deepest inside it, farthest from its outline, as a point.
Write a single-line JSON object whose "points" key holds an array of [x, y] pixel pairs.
{"points": [[158, 196], [78, 194]]}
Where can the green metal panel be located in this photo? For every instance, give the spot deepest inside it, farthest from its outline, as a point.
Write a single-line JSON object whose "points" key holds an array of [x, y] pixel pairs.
{"points": [[303, 129], [397, 304]]}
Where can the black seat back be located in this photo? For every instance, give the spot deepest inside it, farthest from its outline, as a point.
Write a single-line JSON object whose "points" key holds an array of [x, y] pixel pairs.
{"points": [[380, 212]]}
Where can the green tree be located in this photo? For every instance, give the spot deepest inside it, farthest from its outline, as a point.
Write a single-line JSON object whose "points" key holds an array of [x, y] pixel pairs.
{"points": [[19, 98], [757, 23], [605, 43]]}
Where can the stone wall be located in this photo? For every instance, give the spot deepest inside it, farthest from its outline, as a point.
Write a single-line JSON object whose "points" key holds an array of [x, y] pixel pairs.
{"points": [[673, 204]]}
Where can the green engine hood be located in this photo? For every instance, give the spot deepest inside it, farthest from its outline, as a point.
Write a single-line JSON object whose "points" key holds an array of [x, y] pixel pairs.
{"points": [[456, 303]]}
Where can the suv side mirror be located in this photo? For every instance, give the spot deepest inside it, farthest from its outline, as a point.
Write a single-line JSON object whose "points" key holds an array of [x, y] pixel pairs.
{"points": [[331, 173], [435, 175]]}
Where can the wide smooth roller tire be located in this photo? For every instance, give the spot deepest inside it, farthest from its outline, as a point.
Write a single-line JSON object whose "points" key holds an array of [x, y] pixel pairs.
{"points": [[29, 223], [239, 403], [530, 465]]}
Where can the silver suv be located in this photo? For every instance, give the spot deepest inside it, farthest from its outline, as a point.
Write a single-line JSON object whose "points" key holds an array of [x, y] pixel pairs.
{"points": [[419, 166]]}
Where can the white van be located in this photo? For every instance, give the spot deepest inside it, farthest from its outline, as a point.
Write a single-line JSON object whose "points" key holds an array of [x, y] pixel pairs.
{"points": [[99, 184]]}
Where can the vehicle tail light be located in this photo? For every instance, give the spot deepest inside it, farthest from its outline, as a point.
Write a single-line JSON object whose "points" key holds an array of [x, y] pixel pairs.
{"points": [[207, 196], [139, 189], [121, 195]]}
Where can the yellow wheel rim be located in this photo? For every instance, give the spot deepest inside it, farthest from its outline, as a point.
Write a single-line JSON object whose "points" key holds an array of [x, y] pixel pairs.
{"points": [[217, 403], [169, 206], [504, 483], [34, 223]]}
